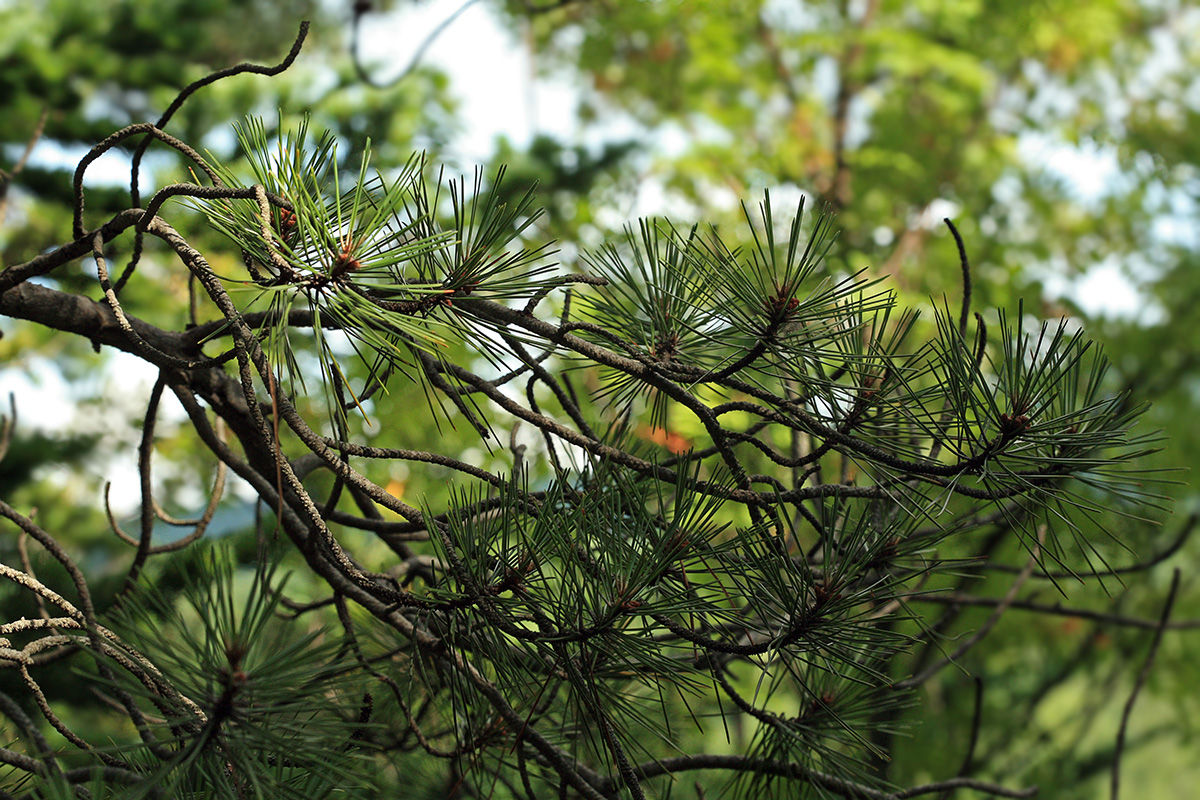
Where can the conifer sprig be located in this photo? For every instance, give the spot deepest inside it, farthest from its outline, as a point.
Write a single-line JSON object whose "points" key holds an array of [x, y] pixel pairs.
{"points": [[368, 258]]}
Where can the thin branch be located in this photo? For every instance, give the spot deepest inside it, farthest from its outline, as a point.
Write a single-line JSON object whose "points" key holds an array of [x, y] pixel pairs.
{"points": [[176, 104], [1141, 681], [966, 279], [83, 244], [1054, 609], [355, 44], [114, 140], [211, 78], [826, 782], [986, 628], [1181, 537]]}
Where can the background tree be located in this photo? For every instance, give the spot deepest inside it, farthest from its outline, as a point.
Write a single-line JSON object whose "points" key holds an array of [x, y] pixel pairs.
{"points": [[1006, 756]]}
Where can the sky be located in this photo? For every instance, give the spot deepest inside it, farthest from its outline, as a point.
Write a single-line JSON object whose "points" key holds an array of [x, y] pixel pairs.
{"points": [[494, 84]]}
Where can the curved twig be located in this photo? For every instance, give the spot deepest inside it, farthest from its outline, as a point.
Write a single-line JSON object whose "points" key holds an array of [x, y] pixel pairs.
{"points": [[1009, 597], [355, 42], [1143, 674]]}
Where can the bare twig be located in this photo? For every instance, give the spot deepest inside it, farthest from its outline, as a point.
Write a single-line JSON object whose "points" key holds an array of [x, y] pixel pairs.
{"points": [[828, 783], [964, 315], [1141, 681], [6, 177], [985, 629], [414, 61], [1054, 609]]}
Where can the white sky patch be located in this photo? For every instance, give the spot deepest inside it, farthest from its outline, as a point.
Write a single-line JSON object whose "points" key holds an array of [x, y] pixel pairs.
{"points": [[491, 73], [1087, 170], [111, 169], [1105, 290], [41, 394], [935, 214]]}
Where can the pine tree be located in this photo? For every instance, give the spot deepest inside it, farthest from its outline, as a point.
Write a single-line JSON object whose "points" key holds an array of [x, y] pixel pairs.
{"points": [[745, 473]]}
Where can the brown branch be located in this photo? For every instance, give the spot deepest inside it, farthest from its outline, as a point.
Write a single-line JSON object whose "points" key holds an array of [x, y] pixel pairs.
{"points": [[1181, 538], [114, 140], [825, 781], [1055, 609], [82, 246], [839, 194], [987, 626], [211, 78], [1141, 681]]}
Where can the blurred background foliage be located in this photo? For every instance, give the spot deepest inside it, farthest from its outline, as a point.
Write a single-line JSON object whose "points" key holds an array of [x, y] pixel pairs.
{"points": [[1059, 137]]}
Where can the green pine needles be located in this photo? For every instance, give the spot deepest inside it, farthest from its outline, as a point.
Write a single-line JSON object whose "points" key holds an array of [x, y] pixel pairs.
{"points": [[238, 701], [365, 259], [707, 490]]}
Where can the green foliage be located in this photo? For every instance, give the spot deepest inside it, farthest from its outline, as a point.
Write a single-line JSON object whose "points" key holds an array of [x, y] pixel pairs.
{"points": [[1055, 137], [371, 262], [257, 706], [762, 492]]}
